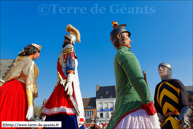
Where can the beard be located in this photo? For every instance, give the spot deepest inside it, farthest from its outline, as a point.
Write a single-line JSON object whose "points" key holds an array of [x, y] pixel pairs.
{"points": [[65, 43]]}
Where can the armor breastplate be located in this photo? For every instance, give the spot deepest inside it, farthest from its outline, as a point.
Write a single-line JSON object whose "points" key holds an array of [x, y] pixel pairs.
{"points": [[68, 48]]}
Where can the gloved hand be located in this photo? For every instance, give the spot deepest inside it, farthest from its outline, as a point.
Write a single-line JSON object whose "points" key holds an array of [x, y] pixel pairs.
{"points": [[184, 117], [30, 113], [63, 82], [155, 121], [185, 123], [151, 111], [68, 87]]}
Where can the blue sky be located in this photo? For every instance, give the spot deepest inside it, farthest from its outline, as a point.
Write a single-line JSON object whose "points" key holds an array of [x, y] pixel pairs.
{"points": [[161, 31]]}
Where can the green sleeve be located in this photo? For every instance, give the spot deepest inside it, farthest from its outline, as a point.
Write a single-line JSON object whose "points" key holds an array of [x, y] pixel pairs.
{"points": [[129, 63]]}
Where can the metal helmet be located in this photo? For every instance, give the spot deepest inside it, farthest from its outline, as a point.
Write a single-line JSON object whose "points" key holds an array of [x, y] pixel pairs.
{"points": [[74, 34], [72, 38], [116, 30], [168, 70]]}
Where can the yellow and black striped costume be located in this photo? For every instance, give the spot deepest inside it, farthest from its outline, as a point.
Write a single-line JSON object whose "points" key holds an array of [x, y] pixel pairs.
{"points": [[170, 97]]}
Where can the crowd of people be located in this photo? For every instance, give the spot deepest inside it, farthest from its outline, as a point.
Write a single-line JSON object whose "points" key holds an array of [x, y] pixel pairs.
{"points": [[96, 125], [134, 107]]}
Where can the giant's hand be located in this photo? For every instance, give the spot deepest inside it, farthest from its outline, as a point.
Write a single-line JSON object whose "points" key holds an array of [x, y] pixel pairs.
{"points": [[155, 121], [63, 82], [30, 113], [68, 87], [185, 123], [151, 111], [184, 117]]}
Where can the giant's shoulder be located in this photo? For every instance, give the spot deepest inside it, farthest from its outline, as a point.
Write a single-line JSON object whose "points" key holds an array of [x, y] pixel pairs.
{"points": [[24, 61], [176, 82]]}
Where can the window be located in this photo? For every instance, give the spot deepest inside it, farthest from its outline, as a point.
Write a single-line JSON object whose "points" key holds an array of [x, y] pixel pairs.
{"points": [[92, 113], [100, 105], [101, 97], [107, 92], [101, 115], [87, 113], [105, 105], [111, 105], [110, 96]]}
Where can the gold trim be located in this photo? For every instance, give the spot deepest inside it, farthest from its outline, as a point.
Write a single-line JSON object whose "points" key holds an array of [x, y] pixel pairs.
{"points": [[68, 50], [25, 69], [37, 46]]}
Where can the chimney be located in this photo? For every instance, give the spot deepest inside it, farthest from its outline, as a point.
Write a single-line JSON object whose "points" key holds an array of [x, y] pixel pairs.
{"points": [[97, 87]]}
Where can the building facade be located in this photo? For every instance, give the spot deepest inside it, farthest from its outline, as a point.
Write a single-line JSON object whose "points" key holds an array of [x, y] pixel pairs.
{"points": [[189, 90], [105, 102], [90, 112]]}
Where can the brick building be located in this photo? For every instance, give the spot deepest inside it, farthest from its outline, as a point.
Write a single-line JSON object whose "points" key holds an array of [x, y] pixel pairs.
{"points": [[90, 112]]}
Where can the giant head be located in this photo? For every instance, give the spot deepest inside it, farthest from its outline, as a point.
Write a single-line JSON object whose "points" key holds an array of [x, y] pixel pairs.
{"points": [[165, 71], [72, 36], [118, 30]]}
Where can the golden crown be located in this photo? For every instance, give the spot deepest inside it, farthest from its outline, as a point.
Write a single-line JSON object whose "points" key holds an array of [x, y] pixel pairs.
{"points": [[37, 46]]}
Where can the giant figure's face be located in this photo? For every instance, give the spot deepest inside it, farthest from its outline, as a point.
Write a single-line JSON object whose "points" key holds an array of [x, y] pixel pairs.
{"points": [[36, 55], [66, 41], [162, 71], [126, 39]]}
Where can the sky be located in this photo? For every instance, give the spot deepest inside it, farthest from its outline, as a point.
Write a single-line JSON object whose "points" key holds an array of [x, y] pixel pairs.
{"points": [[161, 31]]}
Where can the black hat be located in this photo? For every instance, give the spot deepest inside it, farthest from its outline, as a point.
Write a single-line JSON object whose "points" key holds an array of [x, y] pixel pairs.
{"points": [[117, 29]]}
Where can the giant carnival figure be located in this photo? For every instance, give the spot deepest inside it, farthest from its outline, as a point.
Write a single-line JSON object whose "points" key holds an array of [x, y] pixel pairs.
{"points": [[171, 100], [65, 103], [20, 87], [134, 107]]}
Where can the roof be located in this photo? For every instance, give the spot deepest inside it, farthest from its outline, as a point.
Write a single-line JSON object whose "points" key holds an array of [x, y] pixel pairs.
{"points": [[89, 102], [189, 88], [106, 92], [5, 64]]}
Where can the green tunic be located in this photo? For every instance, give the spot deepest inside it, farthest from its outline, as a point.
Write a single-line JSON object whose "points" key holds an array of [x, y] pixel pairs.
{"points": [[131, 88]]}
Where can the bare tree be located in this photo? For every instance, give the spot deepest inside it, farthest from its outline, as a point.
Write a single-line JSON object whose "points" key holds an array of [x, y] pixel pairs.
{"points": [[37, 111]]}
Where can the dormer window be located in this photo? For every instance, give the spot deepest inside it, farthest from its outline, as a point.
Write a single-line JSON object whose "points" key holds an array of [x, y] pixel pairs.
{"points": [[107, 92], [101, 97], [110, 96]]}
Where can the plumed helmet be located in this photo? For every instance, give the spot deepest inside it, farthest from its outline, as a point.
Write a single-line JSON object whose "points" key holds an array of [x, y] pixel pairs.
{"points": [[74, 34], [117, 29]]}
